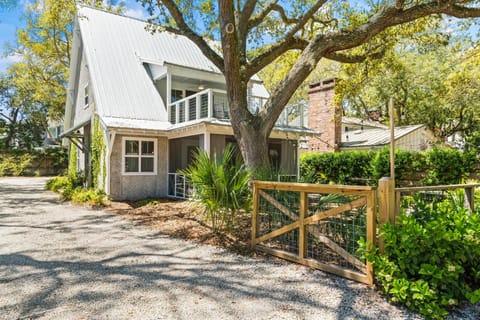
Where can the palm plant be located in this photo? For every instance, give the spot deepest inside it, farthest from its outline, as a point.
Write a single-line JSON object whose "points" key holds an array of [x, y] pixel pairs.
{"points": [[221, 186]]}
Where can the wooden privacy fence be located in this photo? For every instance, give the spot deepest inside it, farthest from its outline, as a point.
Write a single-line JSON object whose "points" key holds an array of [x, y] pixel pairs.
{"points": [[315, 225]]}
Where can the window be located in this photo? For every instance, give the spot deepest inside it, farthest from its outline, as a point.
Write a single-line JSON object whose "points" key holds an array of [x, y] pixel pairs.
{"points": [[139, 156], [85, 95], [176, 95]]}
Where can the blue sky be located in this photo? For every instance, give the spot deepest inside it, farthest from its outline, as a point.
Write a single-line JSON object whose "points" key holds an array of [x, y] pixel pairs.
{"points": [[11, 20]]}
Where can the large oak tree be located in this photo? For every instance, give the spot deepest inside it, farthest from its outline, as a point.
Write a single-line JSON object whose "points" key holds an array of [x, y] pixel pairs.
{"points": [[253, 33]]}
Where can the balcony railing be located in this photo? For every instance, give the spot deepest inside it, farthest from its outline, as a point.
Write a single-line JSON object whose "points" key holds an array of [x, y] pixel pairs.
{"points": [[212, 103]]}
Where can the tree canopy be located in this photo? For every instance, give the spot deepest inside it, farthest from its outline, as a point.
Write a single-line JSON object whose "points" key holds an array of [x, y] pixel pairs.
{"points": [[40, 76], [254, 33]]}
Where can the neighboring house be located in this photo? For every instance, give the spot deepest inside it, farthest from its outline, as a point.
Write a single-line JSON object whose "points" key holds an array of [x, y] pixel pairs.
{"points": [[340, 133], [152, 100], [53, 136]]}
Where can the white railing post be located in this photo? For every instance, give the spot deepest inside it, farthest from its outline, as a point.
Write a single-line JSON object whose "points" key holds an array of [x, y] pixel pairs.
{"points": [[197, 105], [177, 112], [210, 103], [184, 186], [187, 109]]}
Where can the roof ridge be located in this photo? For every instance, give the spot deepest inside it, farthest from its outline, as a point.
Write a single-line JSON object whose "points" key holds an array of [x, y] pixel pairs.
{"points": [[82, 5]]}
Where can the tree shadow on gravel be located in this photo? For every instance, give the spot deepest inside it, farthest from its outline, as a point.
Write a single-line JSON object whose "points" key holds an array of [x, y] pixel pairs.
{"points": [[220, 281], [96, 263]]}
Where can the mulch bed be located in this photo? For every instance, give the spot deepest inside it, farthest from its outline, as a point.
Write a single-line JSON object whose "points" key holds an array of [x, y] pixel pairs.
{"points": [[182, 219]]}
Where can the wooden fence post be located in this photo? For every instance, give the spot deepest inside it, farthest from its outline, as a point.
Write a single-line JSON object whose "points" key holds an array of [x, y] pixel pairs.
{"points": [[386, 204], [371, 231], [302, 239], [255, 225], [469, 196]]}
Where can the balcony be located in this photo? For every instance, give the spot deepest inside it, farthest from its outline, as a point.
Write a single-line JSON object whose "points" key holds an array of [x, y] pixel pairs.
{"points": [[212, 104]]}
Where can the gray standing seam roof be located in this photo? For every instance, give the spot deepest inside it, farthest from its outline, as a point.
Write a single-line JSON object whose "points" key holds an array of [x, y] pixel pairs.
{"points": [[115, 46], [374, 137]]}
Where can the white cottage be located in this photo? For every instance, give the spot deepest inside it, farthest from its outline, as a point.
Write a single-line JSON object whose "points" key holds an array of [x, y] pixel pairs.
{"points": [[153, 99]]}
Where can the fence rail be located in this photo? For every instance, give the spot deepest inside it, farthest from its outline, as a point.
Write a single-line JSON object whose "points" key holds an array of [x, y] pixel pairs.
{"points": [[468, 191], [315, 225]]}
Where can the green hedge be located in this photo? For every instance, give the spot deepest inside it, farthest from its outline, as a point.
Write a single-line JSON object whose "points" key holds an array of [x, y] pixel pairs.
{"points": [[433, 167], [48, 161], [337, 168]]}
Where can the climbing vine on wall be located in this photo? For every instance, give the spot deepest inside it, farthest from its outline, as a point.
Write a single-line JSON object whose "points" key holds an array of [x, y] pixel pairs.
{"points": [[99, 167], [72, 161]]}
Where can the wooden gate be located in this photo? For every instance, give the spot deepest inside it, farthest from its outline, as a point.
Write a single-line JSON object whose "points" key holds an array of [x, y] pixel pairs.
{"points": [[315, 225]]}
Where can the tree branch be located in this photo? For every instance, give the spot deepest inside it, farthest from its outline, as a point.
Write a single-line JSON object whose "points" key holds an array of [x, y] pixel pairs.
{"points": [[277, 49], [245, 15], [327, 44], [388, 17], [184, 30], [272, 53], [344, 58]]}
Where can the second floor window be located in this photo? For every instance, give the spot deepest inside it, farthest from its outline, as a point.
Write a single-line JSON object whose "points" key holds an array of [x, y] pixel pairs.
{"points": [[176, 95], [85, 95]]}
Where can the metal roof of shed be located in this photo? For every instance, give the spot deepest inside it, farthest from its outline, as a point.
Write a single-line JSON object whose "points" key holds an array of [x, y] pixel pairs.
{"points": [[374, 137]]}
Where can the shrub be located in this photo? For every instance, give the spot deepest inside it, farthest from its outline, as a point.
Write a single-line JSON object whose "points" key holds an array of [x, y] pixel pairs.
{"points": [[448, 166], [12, 165], [409, 165], [431, 258], [436, 166], [70, 188], [220, 186], [335, 167], [88, 196], [18, 162], [57, 184]]}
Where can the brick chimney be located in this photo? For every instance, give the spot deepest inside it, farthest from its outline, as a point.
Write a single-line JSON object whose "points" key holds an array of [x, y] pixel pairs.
{"points": [[324, 116]]}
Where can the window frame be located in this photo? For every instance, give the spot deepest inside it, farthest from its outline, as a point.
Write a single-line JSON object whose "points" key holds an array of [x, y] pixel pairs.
{"points": [[86, 96], [139, 156]]}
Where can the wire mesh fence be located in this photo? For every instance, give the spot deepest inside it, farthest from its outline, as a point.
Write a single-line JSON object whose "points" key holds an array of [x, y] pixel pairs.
{"points": [[409, 200], [315, 225]]}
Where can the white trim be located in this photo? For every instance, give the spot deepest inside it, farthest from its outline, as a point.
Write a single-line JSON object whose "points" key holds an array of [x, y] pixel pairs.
{"points": [[155, 156]]}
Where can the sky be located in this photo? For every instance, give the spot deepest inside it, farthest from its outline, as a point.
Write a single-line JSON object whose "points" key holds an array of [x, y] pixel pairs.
{"points": [[11, 20]]}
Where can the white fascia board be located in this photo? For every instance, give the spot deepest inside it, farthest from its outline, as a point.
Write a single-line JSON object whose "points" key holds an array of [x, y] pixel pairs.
{"points": [[176, 70], [76, 53]]}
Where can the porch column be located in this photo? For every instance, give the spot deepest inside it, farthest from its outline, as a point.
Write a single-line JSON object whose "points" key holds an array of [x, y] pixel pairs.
{"points": [[206, 142]]}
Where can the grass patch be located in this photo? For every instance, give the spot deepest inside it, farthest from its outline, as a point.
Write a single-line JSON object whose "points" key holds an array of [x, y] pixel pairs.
{"points": [[146, 202]]}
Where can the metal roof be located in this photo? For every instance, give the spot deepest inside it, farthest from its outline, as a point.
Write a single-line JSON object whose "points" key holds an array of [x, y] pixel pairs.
{"points": [[123, 123], [114, 46], [374, 137], [363, 122]]}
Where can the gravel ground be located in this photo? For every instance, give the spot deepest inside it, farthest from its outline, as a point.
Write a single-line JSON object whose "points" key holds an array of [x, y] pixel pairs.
{"points": [[59, 261]]}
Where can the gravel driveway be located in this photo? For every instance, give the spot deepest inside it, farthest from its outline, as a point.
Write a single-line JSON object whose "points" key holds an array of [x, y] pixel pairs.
{"points": [[59, 261]]}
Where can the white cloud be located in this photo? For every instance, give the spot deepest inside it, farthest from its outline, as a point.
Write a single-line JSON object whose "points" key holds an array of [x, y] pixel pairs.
{"points": [[5, 62], [136, 13]]}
